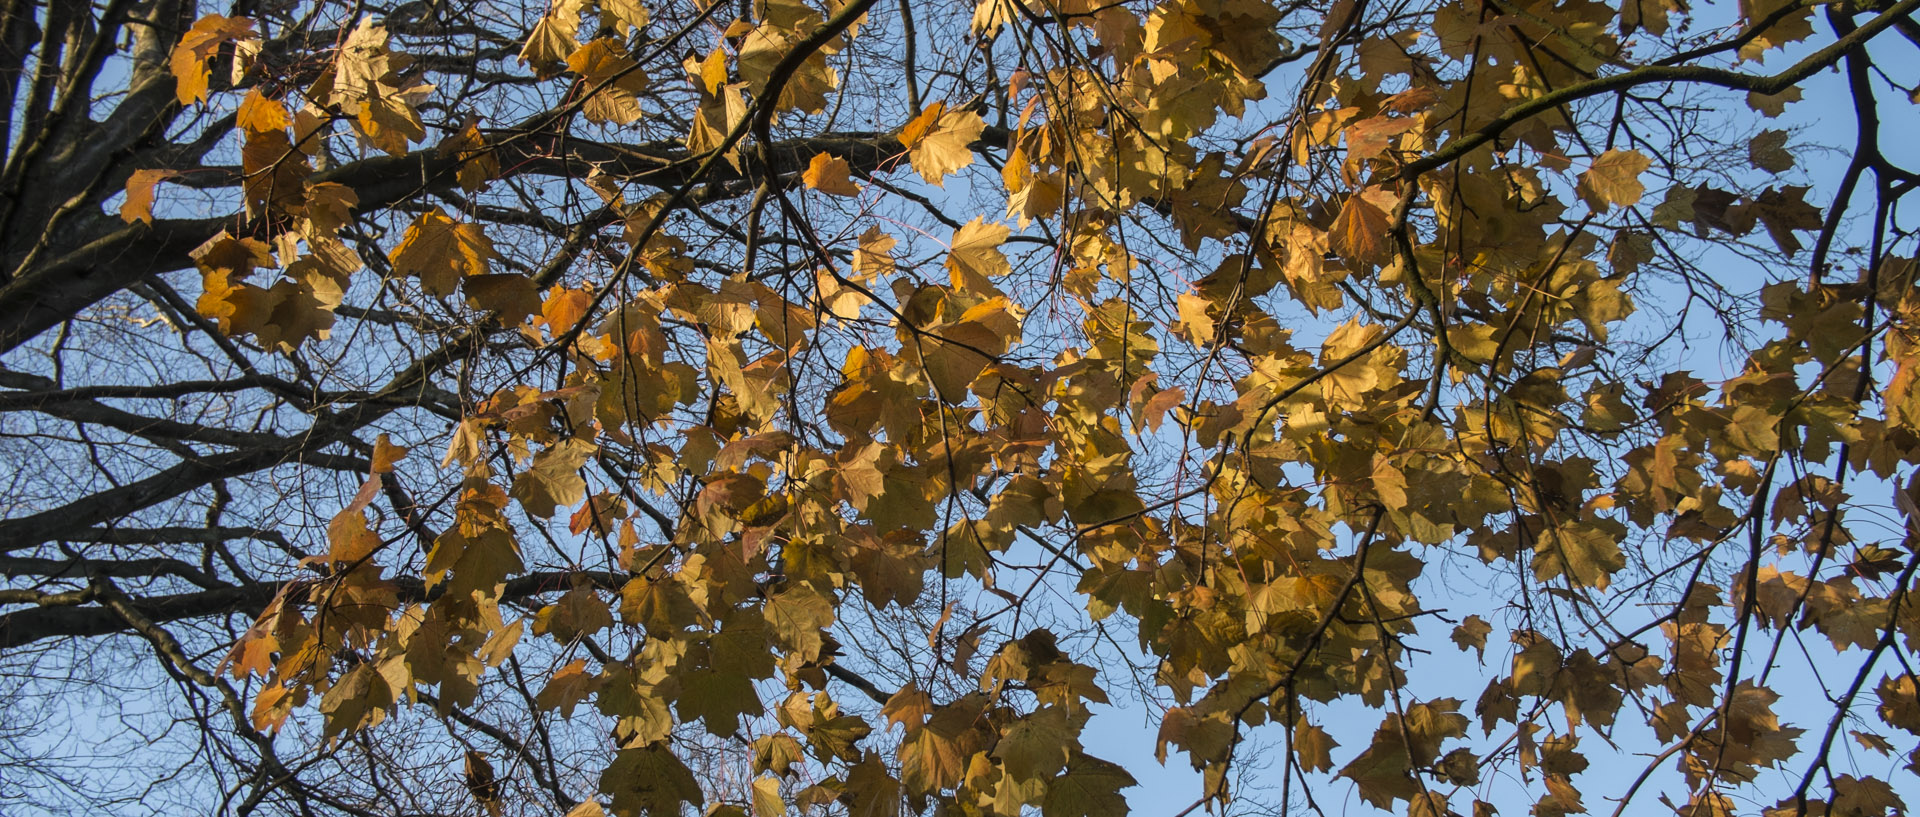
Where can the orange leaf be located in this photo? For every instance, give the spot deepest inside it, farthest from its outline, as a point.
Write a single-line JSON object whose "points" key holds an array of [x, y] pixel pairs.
{"points": [[1362, 230], [258, 113], [827, 173], [197, 46], [139, 205]]}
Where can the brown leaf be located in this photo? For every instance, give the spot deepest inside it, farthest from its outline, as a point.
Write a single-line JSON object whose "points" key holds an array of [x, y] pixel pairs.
{"points": [[440, 251]]}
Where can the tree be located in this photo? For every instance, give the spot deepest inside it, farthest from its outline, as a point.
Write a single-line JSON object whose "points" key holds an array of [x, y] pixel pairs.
{"points": [[643, 406]]}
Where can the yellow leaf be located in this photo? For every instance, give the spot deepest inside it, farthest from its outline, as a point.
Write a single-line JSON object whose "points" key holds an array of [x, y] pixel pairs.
{"points": [[554, 479], [510, 294], [388, 119], [623, 15], [767, 801], [552, 39], [828, 174], [940, 142], [1614, 178], [612, 77], [329, 207], [976, 255]]}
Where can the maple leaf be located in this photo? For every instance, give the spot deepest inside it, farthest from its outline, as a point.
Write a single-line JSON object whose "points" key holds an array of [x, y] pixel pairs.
{"points": [[1362, 231], [798, 617], [1472, 632], [390, 121], [1586, 553], [910, 707], [1767, 151], [613, 78], [718, 698], [359, 700], [1614, 178], [940, 141], [440, 251], [1314, 747], [975, 256], [554, 480], [258, 113], [197, 47], [827, 173], [1089, 788], [140, 189], [1037, 746], [874, 792], [578, 612], [1900, 702], [777, 753], [767, 801], [552, 39], [649, 780], [567, 688]]}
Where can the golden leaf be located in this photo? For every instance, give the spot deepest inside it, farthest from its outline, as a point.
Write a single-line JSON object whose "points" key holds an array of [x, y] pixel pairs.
{"points": [[940, 142], [828, 174]]}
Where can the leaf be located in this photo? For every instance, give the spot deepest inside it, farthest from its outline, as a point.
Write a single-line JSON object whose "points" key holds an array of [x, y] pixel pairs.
{"points": [[1773, 105], [1767, 151], [440, 251], [481, 782], [1090, 788], [651, 781], [386, 455], [197, 47], [258, 113], [140, 188], [828, 174], [1614, 178], [1585, 553], [975, 256], [359, 700], [767, 801], [1314, 747], [329, 207], [1900, 702], [910, 707], [587, 808], [512, 295], [1038, 746], [1472, 632], [613, 80], [554, 480], [798, 618], [929, 761], [552, 39], [1362, 231], [940, 142]]}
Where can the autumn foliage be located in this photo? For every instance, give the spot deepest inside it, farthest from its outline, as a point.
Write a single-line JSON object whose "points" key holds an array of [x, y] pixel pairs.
{"points": [[835, 407]]}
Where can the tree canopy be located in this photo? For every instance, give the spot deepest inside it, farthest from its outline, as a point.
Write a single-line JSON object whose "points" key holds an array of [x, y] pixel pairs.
{"points": [[835, 406]]}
